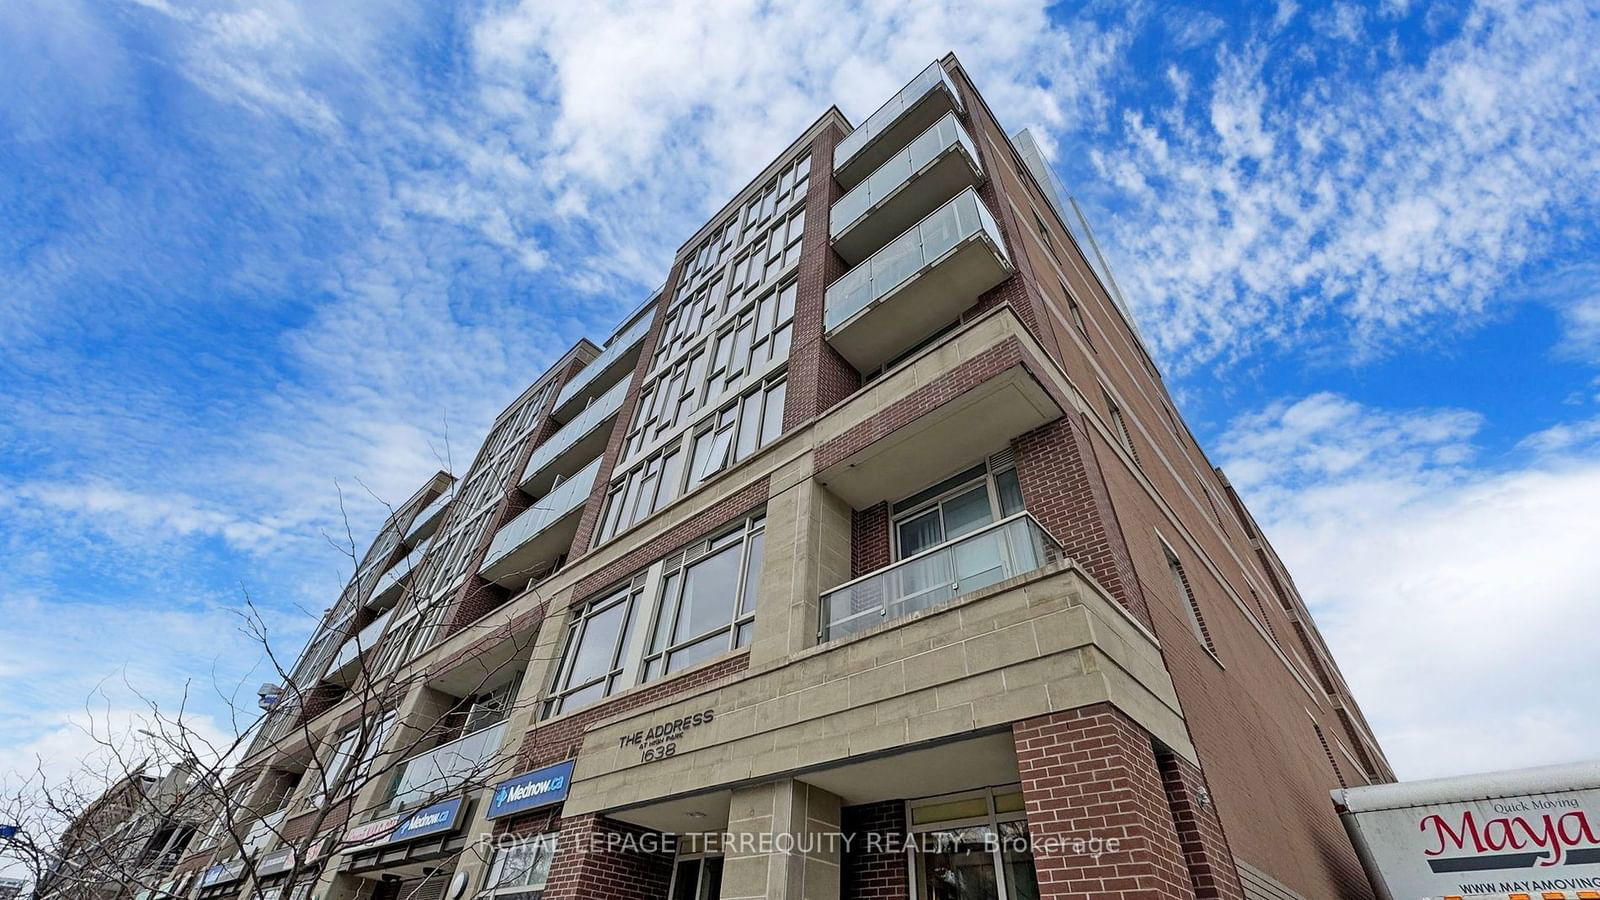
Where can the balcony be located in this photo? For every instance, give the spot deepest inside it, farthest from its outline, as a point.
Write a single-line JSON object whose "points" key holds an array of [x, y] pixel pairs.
{"points": [[447, 767], [343, 670], [544, 531], [428, 520], [919, 104], [615, 361], [1013, 546], [939, 163], [263, 831], [388, 589], [923, 280], [581, 439]]}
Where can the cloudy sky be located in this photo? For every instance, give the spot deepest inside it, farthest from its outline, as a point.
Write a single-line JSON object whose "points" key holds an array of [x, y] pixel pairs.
{"points": [[265, 261]]}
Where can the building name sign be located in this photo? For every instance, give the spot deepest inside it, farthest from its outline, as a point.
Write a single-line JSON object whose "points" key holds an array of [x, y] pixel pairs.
{"points": [[531, 790], [661, 740]]}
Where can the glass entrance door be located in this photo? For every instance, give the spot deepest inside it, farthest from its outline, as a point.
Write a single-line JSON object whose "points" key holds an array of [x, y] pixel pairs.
{"points": [[697, 878], [971, 846]]}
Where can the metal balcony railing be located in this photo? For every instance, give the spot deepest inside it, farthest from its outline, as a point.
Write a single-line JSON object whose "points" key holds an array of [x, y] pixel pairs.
{"points": [[1011, 546], [447, 767]]}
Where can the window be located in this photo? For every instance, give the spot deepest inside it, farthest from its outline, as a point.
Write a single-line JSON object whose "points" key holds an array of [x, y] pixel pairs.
{"points": [[735, 431], [1328, 751], [518, 871], [708, 600], [333, 768], [957, 506], [1076, 312], [1120, 423], [1191, 606], [972, 846], [592, 664], [697, 878]]}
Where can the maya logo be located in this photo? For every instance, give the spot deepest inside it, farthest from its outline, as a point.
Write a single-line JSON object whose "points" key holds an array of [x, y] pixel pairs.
{"points": [[1510, 842]]}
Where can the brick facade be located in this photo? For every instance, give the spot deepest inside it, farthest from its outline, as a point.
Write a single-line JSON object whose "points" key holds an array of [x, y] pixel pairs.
{"points": [[1094, 793], [875, 868], [600, 859]]}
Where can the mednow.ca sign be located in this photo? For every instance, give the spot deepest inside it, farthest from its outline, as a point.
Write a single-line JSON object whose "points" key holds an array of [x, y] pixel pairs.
{"points": [[1528, 843]]}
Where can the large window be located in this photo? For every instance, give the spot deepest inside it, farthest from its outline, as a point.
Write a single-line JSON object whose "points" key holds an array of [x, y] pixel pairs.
{"points": [[972, 846], [957, 506], [593, 663], [519, 871], [695, 605], [708, 600], [737, 429]]}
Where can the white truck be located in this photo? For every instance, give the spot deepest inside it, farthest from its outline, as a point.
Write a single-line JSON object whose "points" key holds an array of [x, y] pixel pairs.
{"points": [[1528, 834]]}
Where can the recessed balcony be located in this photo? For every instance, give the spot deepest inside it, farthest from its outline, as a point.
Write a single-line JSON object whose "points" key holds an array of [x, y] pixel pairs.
{"points": [[615, 361], [919, 104], [1012, 546], [579, 440], [531, 542], [923, 280], [938, 164]]}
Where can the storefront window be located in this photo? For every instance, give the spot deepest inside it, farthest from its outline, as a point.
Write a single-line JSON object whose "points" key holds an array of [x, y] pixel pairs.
{"points": [[972, 846], [519, 871]]}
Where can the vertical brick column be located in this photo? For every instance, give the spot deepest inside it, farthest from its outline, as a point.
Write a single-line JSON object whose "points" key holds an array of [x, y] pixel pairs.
{"points": [[600, 859], [818, 376], [1062, 485], [1097, 812], [1205, 847], [875, 862]]}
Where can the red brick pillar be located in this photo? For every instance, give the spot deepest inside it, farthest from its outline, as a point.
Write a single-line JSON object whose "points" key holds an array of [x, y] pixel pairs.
{"points": [[1205, 847], [601, 859], [1097, 812]]}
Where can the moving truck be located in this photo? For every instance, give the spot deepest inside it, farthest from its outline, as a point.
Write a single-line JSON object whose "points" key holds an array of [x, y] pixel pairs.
{"points": [[1527, 833]]}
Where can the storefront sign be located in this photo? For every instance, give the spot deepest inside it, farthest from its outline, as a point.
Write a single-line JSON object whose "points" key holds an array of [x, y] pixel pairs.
{"points": [[533, 790], [439, 817], [275, 862], [375, 832], [661, 741]]}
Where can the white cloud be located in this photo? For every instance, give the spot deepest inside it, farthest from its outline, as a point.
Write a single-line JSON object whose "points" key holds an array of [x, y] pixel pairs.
{"points": [[1389, 205], [1458, 599]]}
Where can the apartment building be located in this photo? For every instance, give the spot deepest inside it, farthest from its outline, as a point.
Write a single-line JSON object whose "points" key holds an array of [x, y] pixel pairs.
{"points": [[869, 558], [124, 844]]}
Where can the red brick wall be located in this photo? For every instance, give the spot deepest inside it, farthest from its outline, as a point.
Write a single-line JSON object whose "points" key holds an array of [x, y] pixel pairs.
{"points": [[869, 539], [818, 376], [594, 859], [1061, 486], [1205, 848], [1091, 774], [874, 867]]}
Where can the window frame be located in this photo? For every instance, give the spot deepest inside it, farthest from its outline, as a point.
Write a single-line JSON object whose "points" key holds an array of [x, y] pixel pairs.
{"points": [[496, 868], [614, 677], [668, 608], [994, 468], [992, 819]]}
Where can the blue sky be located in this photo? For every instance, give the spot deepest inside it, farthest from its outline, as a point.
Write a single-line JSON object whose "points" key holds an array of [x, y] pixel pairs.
{"points": [[259, 260]]}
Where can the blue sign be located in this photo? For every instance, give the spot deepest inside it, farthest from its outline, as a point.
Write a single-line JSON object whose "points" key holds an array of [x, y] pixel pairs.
{"points": [[539, 788], [428, 820], [8, 831]]}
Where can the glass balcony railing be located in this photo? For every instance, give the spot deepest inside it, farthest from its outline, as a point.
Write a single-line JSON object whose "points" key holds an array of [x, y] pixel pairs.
{"points": [[1012, 546], [944, 136], [618, 348], [931, 79], [262, 831], [447, 767], [428, 518], [571, 433], [907, 256], [549, 509], [363, 642], [388, 586]]}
